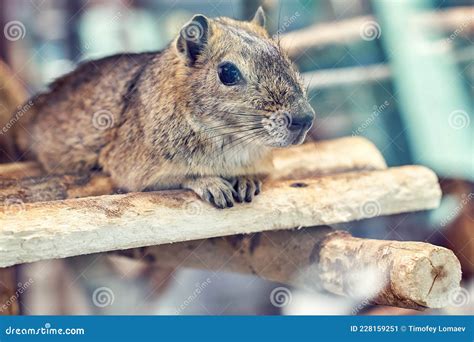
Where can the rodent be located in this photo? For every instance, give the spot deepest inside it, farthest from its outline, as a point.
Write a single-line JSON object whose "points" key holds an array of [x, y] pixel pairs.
{"points": [[202, 114]]}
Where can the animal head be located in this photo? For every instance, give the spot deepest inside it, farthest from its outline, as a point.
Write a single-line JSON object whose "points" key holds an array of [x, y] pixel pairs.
{"points": [[244, 89]]}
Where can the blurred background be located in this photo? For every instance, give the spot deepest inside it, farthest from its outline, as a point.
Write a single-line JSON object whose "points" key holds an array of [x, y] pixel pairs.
{"points": [[399, 72]]}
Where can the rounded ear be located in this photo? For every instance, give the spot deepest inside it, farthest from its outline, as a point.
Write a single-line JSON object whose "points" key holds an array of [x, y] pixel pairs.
{"points": [[259, 18], [193, 38]]}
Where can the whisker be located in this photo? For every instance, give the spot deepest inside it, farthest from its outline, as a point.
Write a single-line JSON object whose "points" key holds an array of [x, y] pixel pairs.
{"points": [[238, 142], [223, 127], [226, 134]]}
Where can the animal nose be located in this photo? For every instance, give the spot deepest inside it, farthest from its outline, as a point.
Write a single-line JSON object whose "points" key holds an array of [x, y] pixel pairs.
{"points": [[300, 122]]}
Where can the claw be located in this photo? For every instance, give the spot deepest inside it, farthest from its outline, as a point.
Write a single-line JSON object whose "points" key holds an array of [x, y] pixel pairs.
{"points": [[215, 190], [246, 188]]}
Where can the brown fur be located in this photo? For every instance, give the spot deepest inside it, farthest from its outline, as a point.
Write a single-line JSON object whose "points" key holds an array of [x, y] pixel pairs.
{"points": [[174, 124]]}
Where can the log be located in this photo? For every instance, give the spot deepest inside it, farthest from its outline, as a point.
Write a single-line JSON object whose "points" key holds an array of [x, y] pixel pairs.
{"points": [[409, 274], [412, 275], [58, 229], [308, 160]]}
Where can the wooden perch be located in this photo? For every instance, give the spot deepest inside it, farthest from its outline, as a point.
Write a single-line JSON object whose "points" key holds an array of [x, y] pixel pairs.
{"points": [[409, 274], [38, 231], [346, 76], [404, 274], [312, 159], [51, 188], [349, 30]]}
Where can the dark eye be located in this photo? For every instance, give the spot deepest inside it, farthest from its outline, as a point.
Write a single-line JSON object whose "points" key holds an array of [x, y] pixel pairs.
{"points": [[229, 74]]}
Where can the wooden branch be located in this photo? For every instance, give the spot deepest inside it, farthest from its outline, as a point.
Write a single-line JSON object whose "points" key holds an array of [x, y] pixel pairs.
{"points": [[340, 32], [409, 274], [37, 231], [348, 31], [404, 274], [346, 76], [312, 159], [327, 157]]}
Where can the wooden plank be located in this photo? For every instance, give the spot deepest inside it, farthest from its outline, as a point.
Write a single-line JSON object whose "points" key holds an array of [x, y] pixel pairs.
{"points": [[352, 30], [38, 231], [308, 160]]}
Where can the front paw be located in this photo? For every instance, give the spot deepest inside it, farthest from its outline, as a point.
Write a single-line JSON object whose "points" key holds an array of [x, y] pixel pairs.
{"points": [[215, 190], [246, 187]]}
